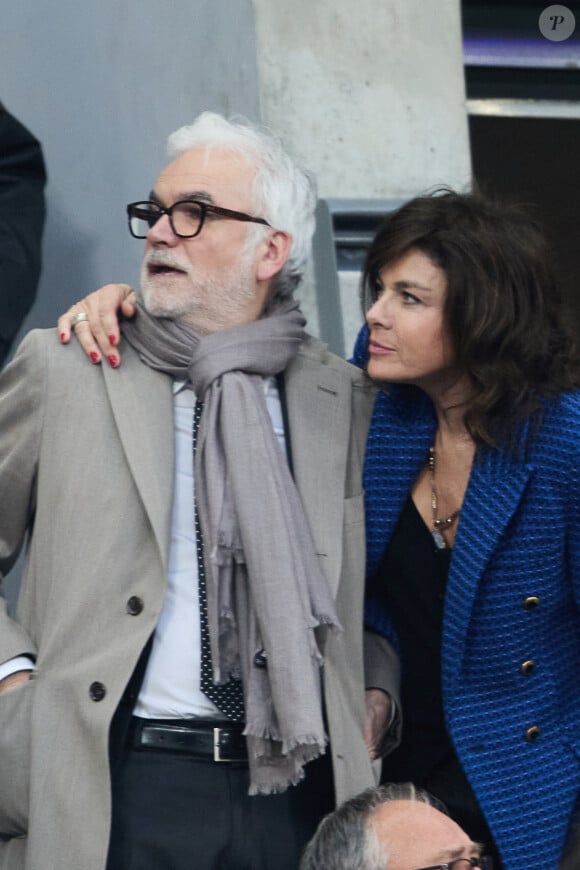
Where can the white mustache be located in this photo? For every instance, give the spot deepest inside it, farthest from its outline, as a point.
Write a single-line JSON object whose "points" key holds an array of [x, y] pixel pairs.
{"points": [[159, 257]]}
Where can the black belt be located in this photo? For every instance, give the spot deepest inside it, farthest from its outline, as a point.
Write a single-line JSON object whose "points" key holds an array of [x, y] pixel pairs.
{"points": [[207, 740]]}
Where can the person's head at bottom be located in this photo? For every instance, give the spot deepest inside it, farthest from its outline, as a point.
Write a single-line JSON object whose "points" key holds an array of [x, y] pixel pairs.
{"points": [[392, 827]]}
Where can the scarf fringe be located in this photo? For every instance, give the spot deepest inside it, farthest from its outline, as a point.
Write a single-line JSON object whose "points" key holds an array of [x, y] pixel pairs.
{"points": [[269, 776], [314, 744], [330, 620], [276, 785]]}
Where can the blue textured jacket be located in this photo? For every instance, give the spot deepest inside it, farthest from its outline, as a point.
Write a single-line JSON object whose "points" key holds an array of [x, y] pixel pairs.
{"points": [[511, 626]]}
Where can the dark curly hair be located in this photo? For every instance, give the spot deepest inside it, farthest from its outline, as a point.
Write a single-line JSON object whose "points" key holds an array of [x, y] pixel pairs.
{"points": [[503, 309]]}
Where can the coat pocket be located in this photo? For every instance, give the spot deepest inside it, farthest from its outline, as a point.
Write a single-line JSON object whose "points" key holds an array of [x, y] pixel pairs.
{"points": [[15, 713]]}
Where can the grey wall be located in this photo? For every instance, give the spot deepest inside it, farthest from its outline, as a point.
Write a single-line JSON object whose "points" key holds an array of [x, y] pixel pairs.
{"points": [[101, 85]]}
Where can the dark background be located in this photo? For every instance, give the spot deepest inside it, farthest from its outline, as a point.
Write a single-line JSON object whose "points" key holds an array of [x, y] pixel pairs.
{"points": [[535, 160]]}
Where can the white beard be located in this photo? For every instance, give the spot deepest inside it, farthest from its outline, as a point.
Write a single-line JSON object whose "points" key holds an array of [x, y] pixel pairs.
{"points": [[207, 301]]}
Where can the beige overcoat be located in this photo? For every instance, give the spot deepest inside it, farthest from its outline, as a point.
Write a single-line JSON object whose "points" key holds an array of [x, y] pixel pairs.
{"points": [[86, 469]]}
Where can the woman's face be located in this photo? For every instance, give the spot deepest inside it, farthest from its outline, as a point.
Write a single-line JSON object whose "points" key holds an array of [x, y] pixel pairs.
{"points": [[408, 340]]}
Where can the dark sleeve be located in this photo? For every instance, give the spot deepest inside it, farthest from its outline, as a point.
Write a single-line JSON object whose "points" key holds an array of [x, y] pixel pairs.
{"points": [[22, 212], [383, 671], [360, 353]]}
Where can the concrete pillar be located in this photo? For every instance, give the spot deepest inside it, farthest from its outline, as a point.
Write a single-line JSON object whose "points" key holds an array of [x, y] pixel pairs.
{"points": [[370, 96]]}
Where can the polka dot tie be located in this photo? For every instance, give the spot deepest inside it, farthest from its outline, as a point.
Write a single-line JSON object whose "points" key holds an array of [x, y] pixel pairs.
{"points": [[228, 697]]}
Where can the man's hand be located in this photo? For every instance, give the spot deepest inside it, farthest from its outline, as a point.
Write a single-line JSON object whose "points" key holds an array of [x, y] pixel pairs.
{"points": [[377, 719], [18, 678], [99, 335]]}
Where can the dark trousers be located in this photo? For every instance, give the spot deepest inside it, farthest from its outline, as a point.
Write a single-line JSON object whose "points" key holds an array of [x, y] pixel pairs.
{"points": [[175, 812]]}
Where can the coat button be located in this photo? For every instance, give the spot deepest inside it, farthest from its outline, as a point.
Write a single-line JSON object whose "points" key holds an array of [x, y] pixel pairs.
{"points": [[528, 667], [531, 602], [97, 691], [260, 660], [134, 605], [532, 734]]}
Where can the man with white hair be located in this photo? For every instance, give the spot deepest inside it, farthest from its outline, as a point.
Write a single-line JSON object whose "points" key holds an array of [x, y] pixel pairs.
{"points": [[393, 827], [195, 548]]}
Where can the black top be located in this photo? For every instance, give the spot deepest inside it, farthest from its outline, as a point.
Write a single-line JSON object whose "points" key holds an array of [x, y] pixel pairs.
{"points": [[411, 581], [22, 180]]}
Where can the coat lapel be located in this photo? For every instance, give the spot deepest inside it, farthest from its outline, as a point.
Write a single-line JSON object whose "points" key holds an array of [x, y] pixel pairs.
{"points": [[495, 489], [319, 414], [141, 401]]}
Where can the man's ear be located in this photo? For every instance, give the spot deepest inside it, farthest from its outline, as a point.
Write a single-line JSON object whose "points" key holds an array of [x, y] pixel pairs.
{"points": [[273, 253]]}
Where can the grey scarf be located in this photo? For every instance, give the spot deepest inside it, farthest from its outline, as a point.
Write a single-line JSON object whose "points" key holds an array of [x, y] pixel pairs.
{"points": [[265, 588]]}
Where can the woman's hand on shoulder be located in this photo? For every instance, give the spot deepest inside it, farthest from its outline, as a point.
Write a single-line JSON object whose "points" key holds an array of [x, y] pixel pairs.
{"points": [[97, 330]]}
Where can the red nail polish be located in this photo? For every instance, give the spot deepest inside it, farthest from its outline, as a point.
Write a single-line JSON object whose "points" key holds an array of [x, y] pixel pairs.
{"points": [[113, 340], [62, 336], [95, 357], [113, 360]]}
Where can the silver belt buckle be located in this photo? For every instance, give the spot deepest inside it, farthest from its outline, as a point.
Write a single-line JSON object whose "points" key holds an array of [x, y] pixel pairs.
{"points": [[217, 749], [216, 745]]}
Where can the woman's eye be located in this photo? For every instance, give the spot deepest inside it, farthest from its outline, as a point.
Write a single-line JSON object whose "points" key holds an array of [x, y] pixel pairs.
{"points": [[409, 299]]}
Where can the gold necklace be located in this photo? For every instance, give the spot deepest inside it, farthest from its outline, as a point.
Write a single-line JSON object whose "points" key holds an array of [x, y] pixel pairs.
{"points": [[439, 524]]}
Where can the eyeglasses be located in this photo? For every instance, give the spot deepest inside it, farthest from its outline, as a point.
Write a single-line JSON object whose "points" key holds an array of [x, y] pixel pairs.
{"points": [[483, 863], [186, 217]]}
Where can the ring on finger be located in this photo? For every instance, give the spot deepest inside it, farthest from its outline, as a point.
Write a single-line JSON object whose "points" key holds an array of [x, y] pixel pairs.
{"points": [[80, 317]]}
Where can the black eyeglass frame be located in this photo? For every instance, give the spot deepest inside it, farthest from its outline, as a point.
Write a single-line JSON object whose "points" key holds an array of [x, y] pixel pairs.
{"points": [[204, 207]]}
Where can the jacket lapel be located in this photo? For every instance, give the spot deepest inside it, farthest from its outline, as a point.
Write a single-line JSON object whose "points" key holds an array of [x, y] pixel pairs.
{"points": [[495, 489], [141, 401], [319, 414]]}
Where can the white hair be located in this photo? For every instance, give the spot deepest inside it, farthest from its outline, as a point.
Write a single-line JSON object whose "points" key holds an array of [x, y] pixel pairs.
{"points": [[345, 840], [284, 194]]}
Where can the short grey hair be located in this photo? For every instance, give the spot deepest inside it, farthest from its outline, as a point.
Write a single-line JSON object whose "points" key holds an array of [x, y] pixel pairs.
{"points": [[344, 839], [284, 194]]}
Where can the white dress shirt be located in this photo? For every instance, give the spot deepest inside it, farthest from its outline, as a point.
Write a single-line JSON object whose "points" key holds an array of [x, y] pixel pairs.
{"points": [[170, 689]]}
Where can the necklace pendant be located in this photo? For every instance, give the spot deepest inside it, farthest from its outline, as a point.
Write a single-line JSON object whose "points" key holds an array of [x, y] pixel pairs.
{"points": [[439, 539]]}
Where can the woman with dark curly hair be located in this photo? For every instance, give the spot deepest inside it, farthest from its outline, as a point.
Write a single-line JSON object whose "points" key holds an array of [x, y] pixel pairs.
{"points": [[473, 509]]}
